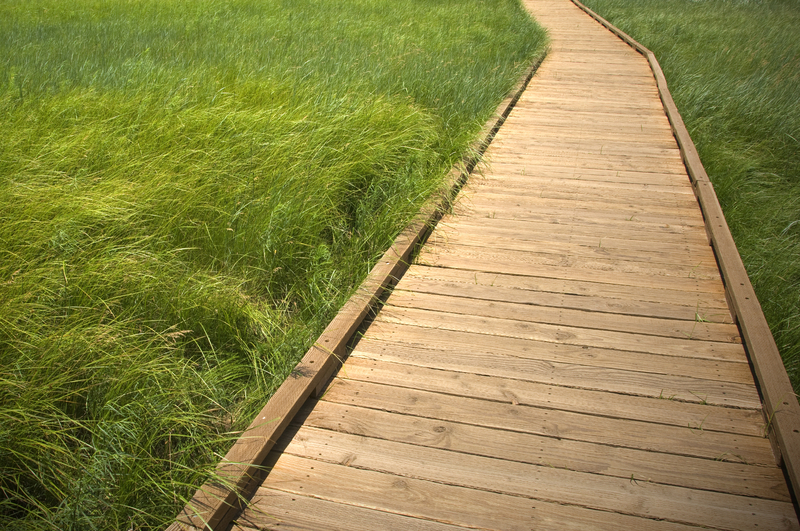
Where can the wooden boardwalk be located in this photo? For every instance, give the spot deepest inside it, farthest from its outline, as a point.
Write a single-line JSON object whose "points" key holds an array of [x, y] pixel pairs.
{"points": [[561, 355]]}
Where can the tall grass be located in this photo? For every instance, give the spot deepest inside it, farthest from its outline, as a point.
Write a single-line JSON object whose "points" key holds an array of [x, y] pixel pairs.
{"points": [[188, 192], [733, 67]]}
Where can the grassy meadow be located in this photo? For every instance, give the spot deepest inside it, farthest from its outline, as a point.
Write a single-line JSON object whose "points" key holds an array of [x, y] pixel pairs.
{"points": [[188, 192], [733, 67]]}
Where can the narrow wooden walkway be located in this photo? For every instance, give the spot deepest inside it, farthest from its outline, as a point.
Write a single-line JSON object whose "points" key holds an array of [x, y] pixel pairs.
{"points": [[562, 355]]}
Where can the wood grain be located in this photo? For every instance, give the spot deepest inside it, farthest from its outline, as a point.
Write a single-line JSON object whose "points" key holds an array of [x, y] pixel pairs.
{"points": [[782, 409], [716, 475]]}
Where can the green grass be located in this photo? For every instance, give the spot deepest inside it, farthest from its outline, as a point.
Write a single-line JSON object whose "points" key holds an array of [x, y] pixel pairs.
{"points": [[733, 67], [188, 192]]}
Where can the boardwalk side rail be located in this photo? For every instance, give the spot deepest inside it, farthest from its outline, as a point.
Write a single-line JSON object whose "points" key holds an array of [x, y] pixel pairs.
{"points": [[781, 409], [217, 503]]}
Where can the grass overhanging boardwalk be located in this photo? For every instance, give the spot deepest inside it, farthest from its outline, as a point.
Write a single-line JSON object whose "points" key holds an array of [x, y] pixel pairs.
{"points": [[561, 355]]}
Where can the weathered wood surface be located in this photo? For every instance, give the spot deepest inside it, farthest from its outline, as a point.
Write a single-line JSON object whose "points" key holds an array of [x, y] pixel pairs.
{"points": [[562, 355]]}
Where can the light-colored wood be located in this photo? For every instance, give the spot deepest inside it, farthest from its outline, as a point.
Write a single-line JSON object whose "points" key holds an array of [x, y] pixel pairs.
{"points": [[575, 366], [590, 206], [444, 503], [516, 391], [597, 128], [500, 236], [621, 107], [576, 222], [554, 265], [634, 226], [782, 407], [562, 356], [599, 138], [569, 366], [537, 482], [599, 147], [569, 294], [629, 217], [502, 169], [298, 512], [668, 469], [677, 192], [571, 335], [532, 188], [553, 423], [528, 313], [514, 236], [494, 172]]}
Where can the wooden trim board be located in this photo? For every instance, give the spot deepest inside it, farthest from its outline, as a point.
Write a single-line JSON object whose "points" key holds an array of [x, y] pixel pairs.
{"points": [[781, 408], [217, 503]]}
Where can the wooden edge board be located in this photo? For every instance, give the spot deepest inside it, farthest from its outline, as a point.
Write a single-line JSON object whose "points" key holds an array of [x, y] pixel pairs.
{"points": [[781, 408], [217, 503]]}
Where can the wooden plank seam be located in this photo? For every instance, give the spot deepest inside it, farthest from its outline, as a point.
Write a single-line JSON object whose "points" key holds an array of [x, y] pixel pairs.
{"points": [[781, 409], [218, 502]]}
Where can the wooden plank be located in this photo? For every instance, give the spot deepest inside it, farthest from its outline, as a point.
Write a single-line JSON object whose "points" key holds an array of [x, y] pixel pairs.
{"points": [[443, 503], [582, 96], [498, 235], [557, 135], [520, 236], [547, 101], [590, 87], [580, 119], [569, 294], [641, 131], [466, 343], [782, 408], [598, 207], [580, 154], [586, 203], [498, 170], [618, 75], [530, 313], [655, 190], [604, 162], [591, 146], [566, 267], [572, 76], [633, 219], [547, 85], [587, 221], [612, 56], [673, 237], [541, 482], [668, 382], [580, 248], [516, 390], [568, 182], [539, 104], [586, 92], [277, 510], [720, 476], [553, 423], [700, 275], [519, 176], [553, 131], [573, 335]]}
